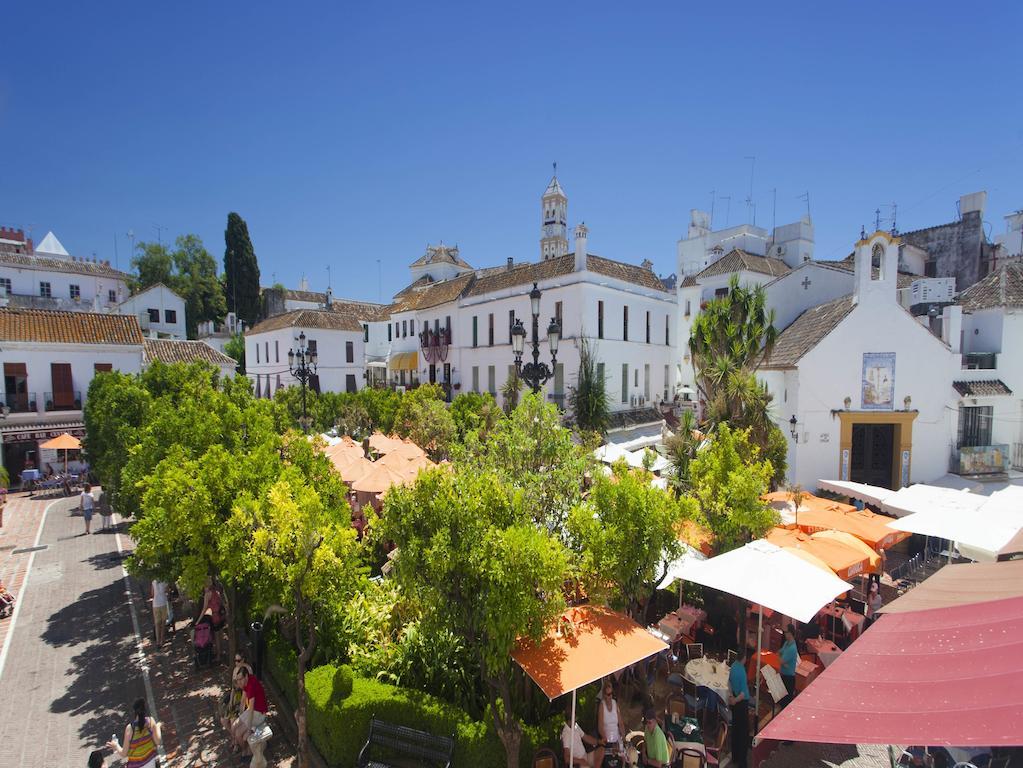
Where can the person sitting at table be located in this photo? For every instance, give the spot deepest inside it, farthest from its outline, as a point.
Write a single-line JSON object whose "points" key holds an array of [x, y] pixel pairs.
{"points": [[655, 744], [610, 725], [874, 603], [576, 740], [738, 702], [789, 658]]}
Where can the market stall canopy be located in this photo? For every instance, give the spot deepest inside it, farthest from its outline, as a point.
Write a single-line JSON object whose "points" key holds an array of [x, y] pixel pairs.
{"points": [[768, 575], [64, 442], [870, 494], [589, 642], [946, 677], [866, 526], [962, 584], [1013, 548], [409, 450], [355, 469], [844, 560], [922, 498], [980, 534]]}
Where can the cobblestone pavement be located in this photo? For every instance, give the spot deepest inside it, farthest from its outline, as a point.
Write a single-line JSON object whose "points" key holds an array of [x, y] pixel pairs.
{"points": [[806, 755], [70, 665]]}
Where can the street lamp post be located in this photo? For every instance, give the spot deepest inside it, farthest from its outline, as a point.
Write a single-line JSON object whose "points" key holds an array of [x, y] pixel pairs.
{"points": [[535, 373], [302, 364]]}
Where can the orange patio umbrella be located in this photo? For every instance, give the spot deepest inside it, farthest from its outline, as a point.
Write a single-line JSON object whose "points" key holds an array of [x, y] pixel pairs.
{"points": [[587, 643], [409, 450], [851, 541], [844, 560], [65, 442], [378, 479], [862, 523], [381, 443], [354, 469]]}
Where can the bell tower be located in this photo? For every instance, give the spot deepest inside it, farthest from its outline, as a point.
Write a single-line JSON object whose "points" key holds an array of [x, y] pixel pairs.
{"points": [[553, 220]]}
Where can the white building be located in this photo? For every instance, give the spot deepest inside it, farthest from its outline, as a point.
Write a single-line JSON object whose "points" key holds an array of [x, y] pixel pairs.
{"points": [[49, 359], [218, 334], [160, 312], [862, 387], [172, 351], [47, 277], [988, 385], [337, 336]]}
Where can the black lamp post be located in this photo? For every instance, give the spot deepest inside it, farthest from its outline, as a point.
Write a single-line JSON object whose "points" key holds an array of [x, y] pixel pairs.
{"points": [[302, 364], [535, 374]]}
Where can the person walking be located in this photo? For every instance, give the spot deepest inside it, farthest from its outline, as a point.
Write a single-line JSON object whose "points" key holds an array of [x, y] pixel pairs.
{"points": [[789, 659], [142, 738], [88, 505], [738, 701], [159, 595], [105, 512]]}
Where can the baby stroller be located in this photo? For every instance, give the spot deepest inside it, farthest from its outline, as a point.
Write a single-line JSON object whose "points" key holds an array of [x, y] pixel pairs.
{"points": [[6, 602], [202, 644]]}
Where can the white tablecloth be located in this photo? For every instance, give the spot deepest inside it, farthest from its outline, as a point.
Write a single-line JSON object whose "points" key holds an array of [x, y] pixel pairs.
{"points": [[701, 672]]}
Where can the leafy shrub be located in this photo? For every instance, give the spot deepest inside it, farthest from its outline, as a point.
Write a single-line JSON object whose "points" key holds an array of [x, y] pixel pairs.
{"points": [[339, 725], [282, 663]]}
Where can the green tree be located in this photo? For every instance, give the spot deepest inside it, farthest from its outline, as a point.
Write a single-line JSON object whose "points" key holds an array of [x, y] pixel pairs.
{"points": [[588, 399], [681, 450], [511, 389], [474, 411], [189, 271], [241, 270], [479, 568], [623, 535], [728, 479], [533, 452], [235, 347], [423, 417], [300, 555], [116, 409]]}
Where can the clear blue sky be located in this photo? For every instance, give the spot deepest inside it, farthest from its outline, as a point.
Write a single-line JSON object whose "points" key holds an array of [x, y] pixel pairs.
{"points": [[347, 133]]}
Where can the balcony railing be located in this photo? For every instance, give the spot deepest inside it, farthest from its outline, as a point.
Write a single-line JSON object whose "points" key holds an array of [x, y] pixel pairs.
{"points": [[20, 402], [63, 401], [980, 460], [984, 361]]}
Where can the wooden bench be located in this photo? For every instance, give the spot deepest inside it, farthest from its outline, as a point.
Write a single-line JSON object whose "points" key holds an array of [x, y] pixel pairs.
{"points": [[403, 740]]}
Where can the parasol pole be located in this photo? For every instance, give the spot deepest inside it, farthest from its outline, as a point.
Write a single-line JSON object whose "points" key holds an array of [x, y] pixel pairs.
{"points": [[760, 635], [571, 739]]}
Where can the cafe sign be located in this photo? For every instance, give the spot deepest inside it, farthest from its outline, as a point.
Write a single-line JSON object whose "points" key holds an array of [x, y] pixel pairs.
{"points": [[34, 436]]}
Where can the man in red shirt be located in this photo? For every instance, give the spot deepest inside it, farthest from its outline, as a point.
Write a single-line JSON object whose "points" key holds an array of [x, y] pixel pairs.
{"points": [[253, 713]]}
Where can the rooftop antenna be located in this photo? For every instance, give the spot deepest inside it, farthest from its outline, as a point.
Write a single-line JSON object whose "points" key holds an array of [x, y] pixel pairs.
{"points": [[555, 168], [131, 237], [159, 233], [728, 208], [380, 283], [117, 263], [750, 207], [712, 193], [328, 277], [877, 219], [806, 196], [895, 211], [774, 211]]}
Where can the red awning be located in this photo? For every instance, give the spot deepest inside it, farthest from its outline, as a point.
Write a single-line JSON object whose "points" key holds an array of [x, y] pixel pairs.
{"points": [[944, 677]]}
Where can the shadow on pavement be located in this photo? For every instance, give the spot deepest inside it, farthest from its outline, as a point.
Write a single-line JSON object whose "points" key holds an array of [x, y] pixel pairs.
{"points": [[89, 617]]}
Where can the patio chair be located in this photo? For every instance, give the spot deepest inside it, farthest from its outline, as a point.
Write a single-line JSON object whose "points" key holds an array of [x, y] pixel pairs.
{"points": [[675, 707], [690, 758], [716, 748], [730, 656], [545, 757], [694, 651], [692, 697], [999, 762]]}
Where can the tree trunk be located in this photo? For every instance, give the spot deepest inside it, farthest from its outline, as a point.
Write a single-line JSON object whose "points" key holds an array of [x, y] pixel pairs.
{"points": [[306, 646], [505, 722]]}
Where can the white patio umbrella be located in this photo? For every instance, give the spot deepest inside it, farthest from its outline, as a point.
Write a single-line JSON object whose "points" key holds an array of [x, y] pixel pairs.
{"points": [[870, 494], [769, 576], [610, 453], [922, 498]]}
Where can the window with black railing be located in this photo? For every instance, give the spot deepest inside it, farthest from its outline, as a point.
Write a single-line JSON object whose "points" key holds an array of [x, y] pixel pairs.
{"points": [[975, 425], [66, 400], [20, 402]]}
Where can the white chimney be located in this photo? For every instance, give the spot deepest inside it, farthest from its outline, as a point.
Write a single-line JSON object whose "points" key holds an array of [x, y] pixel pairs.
{"points": [[581, 233], [303, 284], [952, 326]]}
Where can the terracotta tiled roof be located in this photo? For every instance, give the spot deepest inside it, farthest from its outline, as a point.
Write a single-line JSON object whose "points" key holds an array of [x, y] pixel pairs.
{"points": [[903, 279], [179, 351], [420, 283], [628, 273], [435, 294], [1002, 288], [315, 297], [51, 264], [309, 318], [361, 310], [738, 260], [984, 388], [436, 254], [807, 331], [689, 281], [53, 327]]}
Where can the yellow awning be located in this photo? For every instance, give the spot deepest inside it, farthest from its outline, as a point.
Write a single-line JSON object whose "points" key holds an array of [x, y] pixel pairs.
{"points": [[404, 361]]}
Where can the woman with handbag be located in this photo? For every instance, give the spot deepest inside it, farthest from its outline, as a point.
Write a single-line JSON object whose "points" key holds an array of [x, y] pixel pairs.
{"points": [[142, 739]]}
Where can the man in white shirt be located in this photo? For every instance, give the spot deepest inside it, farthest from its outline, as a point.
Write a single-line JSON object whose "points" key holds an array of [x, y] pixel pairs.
{"points": [[576, 740], [160, 611]]}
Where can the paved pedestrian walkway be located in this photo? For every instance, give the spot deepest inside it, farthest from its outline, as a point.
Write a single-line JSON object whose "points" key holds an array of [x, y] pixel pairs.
{"points": [[70, 664]]}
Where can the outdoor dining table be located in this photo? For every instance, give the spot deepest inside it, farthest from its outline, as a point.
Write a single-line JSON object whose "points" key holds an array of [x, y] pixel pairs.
{"points": [[825, 650], [710, 674], [851, 620], [30, 475]]}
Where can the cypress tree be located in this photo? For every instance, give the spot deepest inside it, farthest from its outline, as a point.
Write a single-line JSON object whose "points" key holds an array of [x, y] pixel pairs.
{"points": [[241, 287]]}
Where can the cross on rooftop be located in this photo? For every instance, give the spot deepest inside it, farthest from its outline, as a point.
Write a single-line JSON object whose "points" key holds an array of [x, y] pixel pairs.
{"points": [[806, 283]]}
